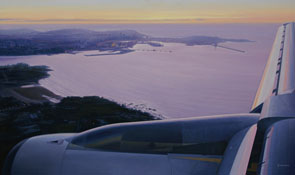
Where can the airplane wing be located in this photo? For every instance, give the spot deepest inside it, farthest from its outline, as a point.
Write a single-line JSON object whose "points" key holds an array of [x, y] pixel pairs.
{"points": [[279, 73], [275, 100], [260, 142]]}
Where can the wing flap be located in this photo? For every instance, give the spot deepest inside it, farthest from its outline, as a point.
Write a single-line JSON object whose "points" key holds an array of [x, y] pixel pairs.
{"points": [[237, 154]]}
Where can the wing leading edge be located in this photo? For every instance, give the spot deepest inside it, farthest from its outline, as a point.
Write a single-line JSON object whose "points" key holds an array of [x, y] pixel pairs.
{"points": [[279, 73]]}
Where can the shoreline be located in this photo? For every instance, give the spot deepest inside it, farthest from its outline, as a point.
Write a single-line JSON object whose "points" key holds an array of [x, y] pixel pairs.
{"points": [[35, 94]]}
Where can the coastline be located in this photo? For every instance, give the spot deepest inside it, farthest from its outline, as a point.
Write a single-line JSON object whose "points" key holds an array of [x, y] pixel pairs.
{"points": [[35, 94], [28, 109]]}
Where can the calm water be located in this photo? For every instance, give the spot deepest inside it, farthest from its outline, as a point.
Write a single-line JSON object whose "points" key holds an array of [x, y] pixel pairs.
{"points": [[189, 81]]}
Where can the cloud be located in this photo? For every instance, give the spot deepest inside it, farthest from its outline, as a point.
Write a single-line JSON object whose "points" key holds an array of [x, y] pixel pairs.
{"points": [[20, 20], [200, 19], [8, 19]]}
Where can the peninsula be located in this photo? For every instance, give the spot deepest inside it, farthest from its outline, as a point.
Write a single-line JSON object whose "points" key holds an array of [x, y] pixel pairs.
{"points": [[31, 42]]}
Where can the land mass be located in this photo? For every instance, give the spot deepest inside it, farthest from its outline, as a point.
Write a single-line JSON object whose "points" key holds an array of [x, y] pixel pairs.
{"points": [[30, 42], [27, 109]]}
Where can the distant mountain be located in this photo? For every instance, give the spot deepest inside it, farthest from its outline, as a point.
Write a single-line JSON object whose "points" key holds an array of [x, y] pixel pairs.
{"points": [[18, 32], [200, 40], [31, 42]]}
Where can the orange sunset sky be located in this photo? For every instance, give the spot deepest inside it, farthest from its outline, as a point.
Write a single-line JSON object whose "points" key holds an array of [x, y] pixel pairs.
{"points": [[146, 11]]}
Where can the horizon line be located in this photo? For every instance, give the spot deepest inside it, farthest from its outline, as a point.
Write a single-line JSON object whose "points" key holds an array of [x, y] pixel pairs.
{"points": [[237, 20]]}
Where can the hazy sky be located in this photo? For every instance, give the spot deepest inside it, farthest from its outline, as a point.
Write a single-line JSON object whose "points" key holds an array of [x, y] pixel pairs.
{"points": [[146, 11]]}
